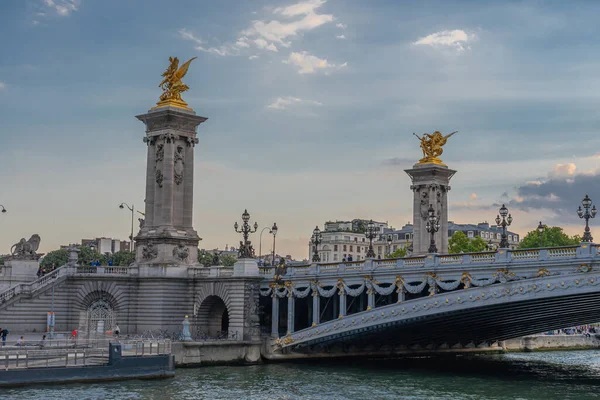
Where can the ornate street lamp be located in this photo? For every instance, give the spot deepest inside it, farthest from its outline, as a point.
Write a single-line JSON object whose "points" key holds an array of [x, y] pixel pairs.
{"points": [[504, 222], [370, 234], [246, 250], [3, 209], [432, 226], [132, 209], [316, 240], [540, 229], [587, 214], [389, 242], [273, 232]]}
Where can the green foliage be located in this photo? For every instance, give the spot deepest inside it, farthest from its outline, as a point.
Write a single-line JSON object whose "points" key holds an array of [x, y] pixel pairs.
{"points": [[228, 260], [460, 243], [123, 258], [205, 258], [87, 255], [551, 237], [56, 257], [399, 253]]}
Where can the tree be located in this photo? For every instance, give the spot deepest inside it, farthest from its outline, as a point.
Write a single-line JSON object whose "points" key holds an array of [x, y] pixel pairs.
{"points": [[228, 260], [87, 255], [123, 258], [56, 257], [460, 243], [551, 237], [399, 253]]}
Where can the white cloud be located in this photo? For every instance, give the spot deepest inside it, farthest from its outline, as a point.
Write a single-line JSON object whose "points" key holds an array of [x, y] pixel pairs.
{"points": [[2, 85], [456, 39], [473, 196], [341, 37], [280, 32], [282, 103], [563, 170], [263, 44], [340, 25], [62, 7], [267, 35], [224, 50], [187, 35], [253, 57], [308, 64]]}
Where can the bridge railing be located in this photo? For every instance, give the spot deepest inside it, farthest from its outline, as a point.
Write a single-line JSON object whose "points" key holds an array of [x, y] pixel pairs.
{"points": [[501, 258]]}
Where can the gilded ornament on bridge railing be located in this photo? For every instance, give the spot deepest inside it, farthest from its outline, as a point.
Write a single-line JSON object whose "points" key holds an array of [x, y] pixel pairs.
{"points": [[431, 145], [172, 85]]}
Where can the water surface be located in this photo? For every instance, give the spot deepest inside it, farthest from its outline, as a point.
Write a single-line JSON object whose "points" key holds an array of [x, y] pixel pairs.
{"points": [[551, 375]]}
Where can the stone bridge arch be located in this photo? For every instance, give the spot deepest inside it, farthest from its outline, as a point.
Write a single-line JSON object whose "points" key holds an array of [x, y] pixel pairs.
{"points": [[222, 303]]}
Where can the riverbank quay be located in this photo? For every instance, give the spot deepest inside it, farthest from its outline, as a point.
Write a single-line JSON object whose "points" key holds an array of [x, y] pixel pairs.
{"points": [[85, 363], [218, 352], [552, 343]]}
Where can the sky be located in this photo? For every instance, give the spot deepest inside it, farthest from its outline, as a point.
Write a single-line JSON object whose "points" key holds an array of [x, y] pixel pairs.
{"points": [[311, 107]]}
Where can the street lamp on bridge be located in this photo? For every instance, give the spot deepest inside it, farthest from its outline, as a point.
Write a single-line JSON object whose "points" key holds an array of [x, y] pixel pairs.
{"points": [[432, 226], [132, 209], [370, 234], [590, 212], [273, 232], [316, 240], [540, 230], [504, 222], [246, 250]]}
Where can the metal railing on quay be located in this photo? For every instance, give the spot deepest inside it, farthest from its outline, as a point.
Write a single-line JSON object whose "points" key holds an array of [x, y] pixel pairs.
{"points": [[44, 358]]}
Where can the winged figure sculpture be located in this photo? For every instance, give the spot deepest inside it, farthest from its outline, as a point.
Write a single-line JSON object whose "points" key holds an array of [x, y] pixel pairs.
{"points": [[431, 145], [172, 85]]}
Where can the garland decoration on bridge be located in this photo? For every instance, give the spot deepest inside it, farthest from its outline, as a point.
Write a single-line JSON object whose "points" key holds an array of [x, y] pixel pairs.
{"points": [[302, 294], [354, 292], [430, 279]]}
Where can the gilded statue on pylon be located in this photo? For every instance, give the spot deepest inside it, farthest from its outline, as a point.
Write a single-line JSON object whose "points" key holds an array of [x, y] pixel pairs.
{"points": [[431, 145], [172, 85]]}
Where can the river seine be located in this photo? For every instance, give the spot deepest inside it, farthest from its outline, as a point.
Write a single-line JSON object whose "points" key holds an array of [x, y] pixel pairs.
{"points": [[552, 375]]}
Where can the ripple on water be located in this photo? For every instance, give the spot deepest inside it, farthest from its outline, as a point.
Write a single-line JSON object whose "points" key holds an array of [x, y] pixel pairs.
{"points": [[527, 376]]}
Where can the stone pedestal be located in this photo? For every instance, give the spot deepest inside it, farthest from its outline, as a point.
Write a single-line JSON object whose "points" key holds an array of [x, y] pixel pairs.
{"points": [[430, 185], [245, 267], [167, 236], [18, 271]]}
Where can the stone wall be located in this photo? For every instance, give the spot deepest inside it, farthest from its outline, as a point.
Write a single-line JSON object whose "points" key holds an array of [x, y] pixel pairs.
{"points": [[552, 342], [188, 354]]}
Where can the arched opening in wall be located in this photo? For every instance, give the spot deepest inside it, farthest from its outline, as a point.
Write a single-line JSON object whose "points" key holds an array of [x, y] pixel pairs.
{"points": [[101, 317], [213, 318]]}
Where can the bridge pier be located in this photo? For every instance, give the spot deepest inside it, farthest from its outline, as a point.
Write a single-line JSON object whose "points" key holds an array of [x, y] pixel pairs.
{"points": [[342, 303], [316, 313], [275, 316], [291, 313], [370, 299]]}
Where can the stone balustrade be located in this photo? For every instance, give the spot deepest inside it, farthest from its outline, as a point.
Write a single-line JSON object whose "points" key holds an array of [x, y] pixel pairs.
{"points": [[504, 258]]}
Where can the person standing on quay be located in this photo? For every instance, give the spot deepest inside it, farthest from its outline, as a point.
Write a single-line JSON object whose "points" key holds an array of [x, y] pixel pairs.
{"points": [[4, 334]]}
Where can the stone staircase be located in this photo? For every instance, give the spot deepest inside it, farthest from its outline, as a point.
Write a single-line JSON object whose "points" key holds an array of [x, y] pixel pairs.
{"points": [[27, 290]]}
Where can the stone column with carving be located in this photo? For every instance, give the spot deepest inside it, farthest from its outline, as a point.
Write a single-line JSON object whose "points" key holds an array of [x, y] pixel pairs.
{"points": [[167, 236], [430, 185]]}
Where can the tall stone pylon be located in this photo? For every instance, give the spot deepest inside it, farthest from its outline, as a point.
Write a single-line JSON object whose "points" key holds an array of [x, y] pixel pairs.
{"points": [[167, 235], [430, 185]]}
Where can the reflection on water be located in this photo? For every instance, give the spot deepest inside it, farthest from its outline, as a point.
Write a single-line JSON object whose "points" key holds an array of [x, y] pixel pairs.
{"points": [[556, 375]]}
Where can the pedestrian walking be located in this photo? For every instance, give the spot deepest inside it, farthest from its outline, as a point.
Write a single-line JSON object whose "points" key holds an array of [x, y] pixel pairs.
{"points": [[4, 334]]}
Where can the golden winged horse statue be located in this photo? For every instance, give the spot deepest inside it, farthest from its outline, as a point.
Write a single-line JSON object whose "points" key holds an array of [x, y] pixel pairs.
{"points": [[172, 85], [431, 145]]}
